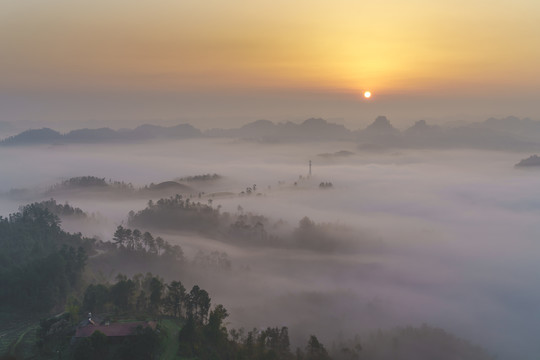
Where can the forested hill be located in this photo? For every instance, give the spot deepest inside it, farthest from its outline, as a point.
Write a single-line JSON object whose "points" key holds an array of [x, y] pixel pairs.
{"points": [[39, 262], [45, 270]]}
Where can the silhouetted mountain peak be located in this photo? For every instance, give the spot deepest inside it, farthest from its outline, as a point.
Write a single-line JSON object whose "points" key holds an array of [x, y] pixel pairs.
{"points": [[421, 127], [381, 125], [35, 136]]}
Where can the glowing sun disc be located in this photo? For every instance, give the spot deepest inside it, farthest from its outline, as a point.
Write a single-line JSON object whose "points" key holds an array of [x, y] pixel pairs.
{"points": [[367, 94]]}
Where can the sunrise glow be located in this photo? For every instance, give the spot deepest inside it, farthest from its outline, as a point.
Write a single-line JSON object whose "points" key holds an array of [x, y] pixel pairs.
{"points": [[290, 58]]}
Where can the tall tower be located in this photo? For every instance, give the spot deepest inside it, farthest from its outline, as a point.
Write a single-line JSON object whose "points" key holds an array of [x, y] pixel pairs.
{"points": [[309, 168]]}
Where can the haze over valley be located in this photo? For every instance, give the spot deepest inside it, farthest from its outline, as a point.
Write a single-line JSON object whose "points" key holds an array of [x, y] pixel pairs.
{"points": [[269, 180], [371, 240]]}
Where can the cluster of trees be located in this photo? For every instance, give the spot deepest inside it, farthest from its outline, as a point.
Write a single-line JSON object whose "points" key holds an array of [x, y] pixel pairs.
{"points": [[83, 181], [176, 212], [321, 236], [325, 185], [204, 334], [249, 190], [91, 182], [249, 227], [212, 341], [134, 240], [62, 210], [147, 294], [203, 177], [39, 263], [179, 213]]}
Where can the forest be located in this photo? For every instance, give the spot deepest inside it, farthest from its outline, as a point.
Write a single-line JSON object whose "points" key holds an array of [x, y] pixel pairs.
{"points": [[53, 282]]}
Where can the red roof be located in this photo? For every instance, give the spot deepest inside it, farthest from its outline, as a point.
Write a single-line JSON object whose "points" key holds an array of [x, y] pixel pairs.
{"points": [[114, 329]]}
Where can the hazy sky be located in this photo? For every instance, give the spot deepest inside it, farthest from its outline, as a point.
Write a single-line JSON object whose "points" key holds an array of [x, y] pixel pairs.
{"points": [[220, 63]]}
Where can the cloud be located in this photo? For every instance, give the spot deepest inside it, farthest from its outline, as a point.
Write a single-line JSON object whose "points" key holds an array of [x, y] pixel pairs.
{"points": [[450, 237]]}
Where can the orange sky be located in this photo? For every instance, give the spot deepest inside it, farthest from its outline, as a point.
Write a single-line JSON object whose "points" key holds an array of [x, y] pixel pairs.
{"points": [[396, 49]]}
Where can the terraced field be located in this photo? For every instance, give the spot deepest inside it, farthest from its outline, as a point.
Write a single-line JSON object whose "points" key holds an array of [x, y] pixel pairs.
{"points": [[17, 336]]}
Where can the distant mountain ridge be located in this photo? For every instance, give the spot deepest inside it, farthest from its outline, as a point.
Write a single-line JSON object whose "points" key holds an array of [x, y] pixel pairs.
{"points": [[533, 160], [509, 133], [102, 135], [264, 130]]}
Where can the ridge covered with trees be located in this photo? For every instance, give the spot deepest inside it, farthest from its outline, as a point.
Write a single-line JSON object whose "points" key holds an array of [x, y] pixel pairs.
{"points": [[45, 270], [181, 213]]}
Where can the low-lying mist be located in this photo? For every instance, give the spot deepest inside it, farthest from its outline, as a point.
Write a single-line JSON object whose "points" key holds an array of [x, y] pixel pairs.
{"points": [[446, 238]]}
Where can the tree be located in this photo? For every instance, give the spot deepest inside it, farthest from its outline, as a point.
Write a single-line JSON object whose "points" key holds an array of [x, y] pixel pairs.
{"points": [[315, 350], [159, 243], [156, 291], [137, 239], [95, 298], [150, 243], [129, 239], [122, 292], [215, 330], [73, 307], [198, 304], [188, 338], [120, 236], [176, 295]]}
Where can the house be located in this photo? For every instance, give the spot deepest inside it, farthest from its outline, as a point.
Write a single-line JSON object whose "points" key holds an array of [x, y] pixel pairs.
{"points": [[114, 329]]}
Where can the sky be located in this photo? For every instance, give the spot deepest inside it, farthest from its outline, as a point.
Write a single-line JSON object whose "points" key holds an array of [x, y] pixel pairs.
{"points": [[222, 63]]}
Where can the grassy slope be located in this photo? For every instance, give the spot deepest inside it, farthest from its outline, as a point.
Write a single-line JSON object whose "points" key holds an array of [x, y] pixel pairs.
{"points": [[16, 334], [170, 343]]}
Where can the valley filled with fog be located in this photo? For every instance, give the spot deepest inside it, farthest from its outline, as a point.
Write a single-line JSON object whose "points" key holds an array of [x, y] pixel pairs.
{"points": [[399, 237]]}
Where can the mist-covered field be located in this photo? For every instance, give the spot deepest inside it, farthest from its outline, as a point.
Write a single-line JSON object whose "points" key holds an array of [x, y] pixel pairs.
{"points": [[446, 238]]}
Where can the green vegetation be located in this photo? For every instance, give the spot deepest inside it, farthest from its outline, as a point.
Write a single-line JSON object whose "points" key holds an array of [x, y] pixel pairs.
{"points": [[91, 183], [182, 214], [176, 212], [39, 263], [60, 210], [44, 270]]}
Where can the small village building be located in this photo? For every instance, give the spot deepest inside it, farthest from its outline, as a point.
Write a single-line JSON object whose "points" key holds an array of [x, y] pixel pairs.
{"points": [[118, 330]]}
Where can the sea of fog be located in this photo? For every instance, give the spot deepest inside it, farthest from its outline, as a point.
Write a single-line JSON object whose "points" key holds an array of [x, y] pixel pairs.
{"points": [[451, 237]]}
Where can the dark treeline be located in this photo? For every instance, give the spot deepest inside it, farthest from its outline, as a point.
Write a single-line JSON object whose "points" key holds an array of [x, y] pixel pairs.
{"points": [[44, 270], [99, 186], [147, 295], [177, 212], [199, 331], [39, 262], [131, 250], [135, 240], [183, 214], [90, 182], [204, 177], [62, 210]]}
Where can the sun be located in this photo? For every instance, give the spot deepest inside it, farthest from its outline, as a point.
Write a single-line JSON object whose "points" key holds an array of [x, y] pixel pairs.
{"points": [[367, 94]]}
